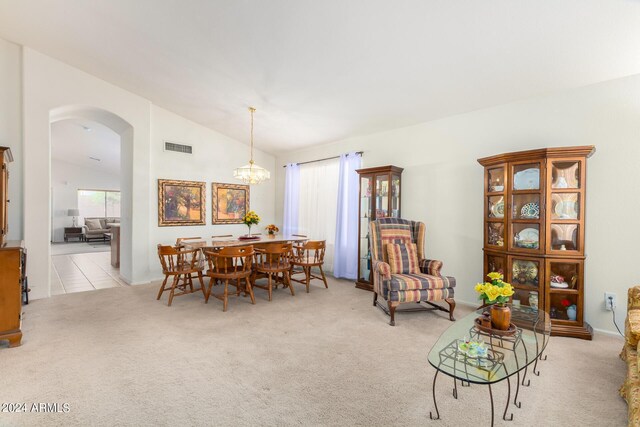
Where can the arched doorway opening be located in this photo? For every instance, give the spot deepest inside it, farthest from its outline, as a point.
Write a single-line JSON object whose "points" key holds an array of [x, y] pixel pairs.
{"points": [[125, 132]]}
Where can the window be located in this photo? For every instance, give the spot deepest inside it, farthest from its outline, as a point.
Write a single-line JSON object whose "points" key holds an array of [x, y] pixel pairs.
{"points": [[319, 204], [99, 203]]}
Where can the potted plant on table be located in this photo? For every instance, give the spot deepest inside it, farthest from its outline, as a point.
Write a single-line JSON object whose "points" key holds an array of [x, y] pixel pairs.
{"points": [[272, 229], [497, 293], [250, 218]]}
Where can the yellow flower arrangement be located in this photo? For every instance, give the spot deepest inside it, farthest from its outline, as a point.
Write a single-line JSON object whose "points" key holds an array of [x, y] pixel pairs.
{"points": [[495, 291], [251, 218]]}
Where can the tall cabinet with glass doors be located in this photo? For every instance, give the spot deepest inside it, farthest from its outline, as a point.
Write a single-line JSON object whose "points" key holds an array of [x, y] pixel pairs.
{"points": [[534, 220], [379, 198]]}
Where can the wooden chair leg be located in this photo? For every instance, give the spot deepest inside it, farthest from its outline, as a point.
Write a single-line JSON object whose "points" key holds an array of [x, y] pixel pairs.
{"points": [[208, 293], [375, 298], [452, 306], [307, 272], [270, 287], [204, 292], [226, 295], [176, 279], [287, 279], [324, 278], [164, 282], [250, 289], [190, 282], [392, 313]]}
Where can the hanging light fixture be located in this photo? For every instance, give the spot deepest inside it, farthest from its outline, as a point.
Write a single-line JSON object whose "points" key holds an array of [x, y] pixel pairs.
{"points": [[251, 173]]}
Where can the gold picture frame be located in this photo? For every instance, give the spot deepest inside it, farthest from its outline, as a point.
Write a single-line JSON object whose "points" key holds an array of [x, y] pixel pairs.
{"points": [[181, 202], [230, 202]]}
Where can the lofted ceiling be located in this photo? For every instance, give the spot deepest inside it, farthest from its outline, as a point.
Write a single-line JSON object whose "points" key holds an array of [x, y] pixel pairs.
{"points": [[320, 71], [77, 141]]}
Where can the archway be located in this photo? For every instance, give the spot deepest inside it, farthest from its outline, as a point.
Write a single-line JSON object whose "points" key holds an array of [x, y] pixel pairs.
{"points": [[125, 131]]}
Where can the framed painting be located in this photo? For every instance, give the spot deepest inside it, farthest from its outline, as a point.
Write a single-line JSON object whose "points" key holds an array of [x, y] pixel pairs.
{"points": [[181, 203], [230, 203]]}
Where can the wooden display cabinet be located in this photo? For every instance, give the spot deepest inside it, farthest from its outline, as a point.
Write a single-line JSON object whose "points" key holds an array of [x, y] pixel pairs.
{"points": [[534, 230], [380, 197], [12, 256]]}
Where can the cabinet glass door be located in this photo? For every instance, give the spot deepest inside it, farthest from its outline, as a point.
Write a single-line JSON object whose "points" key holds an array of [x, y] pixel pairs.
{"points": [[395, 196], [365, 218], [382, 196], [564, 281], [495, 180], [525, 275], [497, 263]]}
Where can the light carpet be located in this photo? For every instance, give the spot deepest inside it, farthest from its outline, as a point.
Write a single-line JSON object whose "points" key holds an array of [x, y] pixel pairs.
{"points": [[119, 357]]}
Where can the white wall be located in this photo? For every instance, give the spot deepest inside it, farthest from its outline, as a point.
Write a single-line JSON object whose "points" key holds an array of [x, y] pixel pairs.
{"points": [[50, 86], [66, 179], [11, 128], [443, 183], [213, 160]]}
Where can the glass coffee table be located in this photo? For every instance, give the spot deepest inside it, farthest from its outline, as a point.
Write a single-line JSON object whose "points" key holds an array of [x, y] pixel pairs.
{"points": [[506, 355]]}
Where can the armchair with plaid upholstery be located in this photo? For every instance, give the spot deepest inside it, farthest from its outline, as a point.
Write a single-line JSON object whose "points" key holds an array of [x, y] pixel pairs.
{"points": [[427, 285]]}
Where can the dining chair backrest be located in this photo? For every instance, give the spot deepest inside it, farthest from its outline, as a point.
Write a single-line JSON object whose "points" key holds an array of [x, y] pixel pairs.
{"points": [[222, 235], [174, 259], [311, 252], [274, 256], [299, 235], [230, 260]]}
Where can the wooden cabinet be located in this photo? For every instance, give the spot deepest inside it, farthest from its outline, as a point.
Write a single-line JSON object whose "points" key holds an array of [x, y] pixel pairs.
{"points": [[380, 197], [534, 230], [11, 282], [12, 256]]}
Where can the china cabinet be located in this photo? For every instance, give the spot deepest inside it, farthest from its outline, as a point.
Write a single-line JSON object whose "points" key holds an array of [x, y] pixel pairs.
{"points": [[379, 198], [534, 230]]}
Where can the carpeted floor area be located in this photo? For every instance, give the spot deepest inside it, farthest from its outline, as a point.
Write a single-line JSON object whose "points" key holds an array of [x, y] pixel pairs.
{"points": [[119, 357]]}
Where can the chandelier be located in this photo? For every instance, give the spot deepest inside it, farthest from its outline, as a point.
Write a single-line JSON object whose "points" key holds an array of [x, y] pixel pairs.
{"points": [[251, 173]]}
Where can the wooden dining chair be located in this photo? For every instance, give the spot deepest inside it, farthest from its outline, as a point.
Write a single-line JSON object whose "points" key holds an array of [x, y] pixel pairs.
{"points": [[308, 255], [222, 235], [231, 266], [271, 260], [181, 265]]}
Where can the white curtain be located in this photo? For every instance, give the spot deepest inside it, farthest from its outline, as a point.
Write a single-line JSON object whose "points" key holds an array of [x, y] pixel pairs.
{"points": [[318, 204], [291, 200], [346, 243]]}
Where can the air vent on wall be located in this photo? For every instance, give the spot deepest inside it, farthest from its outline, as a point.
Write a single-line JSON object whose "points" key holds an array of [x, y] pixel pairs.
{"points": [[178, 148]]}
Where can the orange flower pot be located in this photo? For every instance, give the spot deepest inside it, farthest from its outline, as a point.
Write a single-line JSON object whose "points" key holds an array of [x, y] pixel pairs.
{"points": [[500, 317]]}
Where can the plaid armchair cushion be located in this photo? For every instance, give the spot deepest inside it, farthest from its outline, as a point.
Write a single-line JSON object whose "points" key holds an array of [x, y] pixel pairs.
{"points": [[403, 258], [408, 282]]}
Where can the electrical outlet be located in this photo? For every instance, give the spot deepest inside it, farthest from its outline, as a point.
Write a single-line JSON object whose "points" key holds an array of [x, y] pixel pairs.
{"points": [[609, 301]]}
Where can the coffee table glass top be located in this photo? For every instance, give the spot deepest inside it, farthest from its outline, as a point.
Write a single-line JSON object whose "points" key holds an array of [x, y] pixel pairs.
{"points": [[505, 355]]}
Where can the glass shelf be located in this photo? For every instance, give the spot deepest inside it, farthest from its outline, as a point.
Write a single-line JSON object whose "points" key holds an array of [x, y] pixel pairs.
{"points": [[526, 236], [565, 206], [525, 274], [565, 174], [526, 176], [564, 237]]}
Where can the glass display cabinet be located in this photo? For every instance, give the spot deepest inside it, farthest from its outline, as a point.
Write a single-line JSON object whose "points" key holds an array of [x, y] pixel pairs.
{"points": [[534, 230], [379, 198]]}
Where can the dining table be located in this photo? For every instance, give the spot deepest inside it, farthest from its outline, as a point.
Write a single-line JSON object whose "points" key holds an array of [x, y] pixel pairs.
{"points": [[257, 241]]}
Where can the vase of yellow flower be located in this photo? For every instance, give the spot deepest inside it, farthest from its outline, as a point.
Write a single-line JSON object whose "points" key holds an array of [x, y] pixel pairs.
{"points": [[497, 292], [250, 219]]}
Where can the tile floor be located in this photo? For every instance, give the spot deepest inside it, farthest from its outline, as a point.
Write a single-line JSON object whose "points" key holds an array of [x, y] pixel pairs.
{"points": [[83, 272]]}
